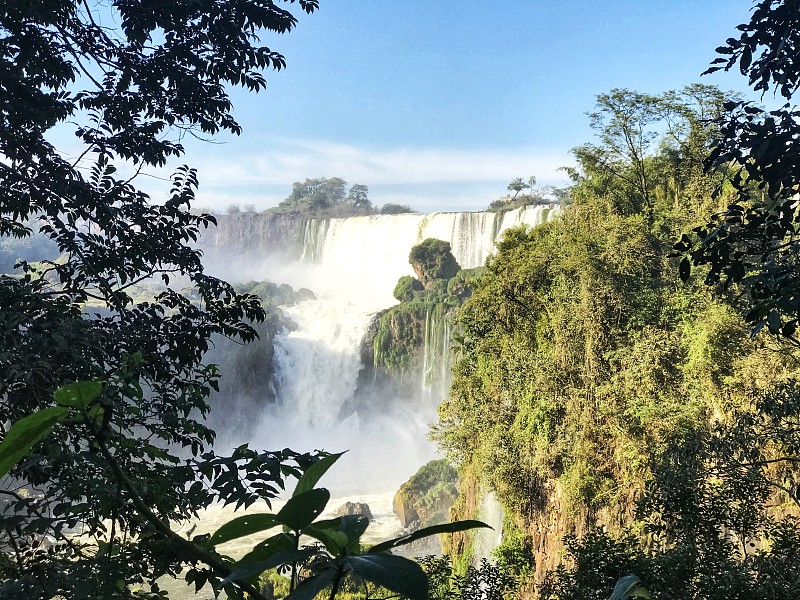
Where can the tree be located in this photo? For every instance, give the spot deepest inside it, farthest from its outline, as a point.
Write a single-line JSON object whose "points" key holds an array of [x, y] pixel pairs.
{"points": [[516, 185], [317, 194], [359, 196], [752, 246], [396, 209], [587, 383], [134, 456], [625, 122], [652, 147]]}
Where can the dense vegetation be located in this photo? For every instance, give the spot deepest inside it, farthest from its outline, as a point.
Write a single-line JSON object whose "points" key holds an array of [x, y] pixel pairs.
{"points": [[327, 197], [103, 393], [593, 389], [103, 389], [330, 197]]}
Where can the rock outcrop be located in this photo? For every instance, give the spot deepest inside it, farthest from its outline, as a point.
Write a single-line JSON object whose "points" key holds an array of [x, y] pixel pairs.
{"points": [[354, 508], [425, 499], [432, 260]]}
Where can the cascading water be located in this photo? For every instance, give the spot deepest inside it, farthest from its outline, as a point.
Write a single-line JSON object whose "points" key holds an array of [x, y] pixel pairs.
{"points": [[353, 264], [486, 540]]}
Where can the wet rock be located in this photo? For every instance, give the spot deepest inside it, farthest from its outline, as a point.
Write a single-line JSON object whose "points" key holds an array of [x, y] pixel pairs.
{"points": [[354, 508]]}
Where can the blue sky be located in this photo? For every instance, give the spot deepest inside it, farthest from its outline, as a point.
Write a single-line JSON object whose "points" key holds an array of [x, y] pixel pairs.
{"points": [[440, 104]]}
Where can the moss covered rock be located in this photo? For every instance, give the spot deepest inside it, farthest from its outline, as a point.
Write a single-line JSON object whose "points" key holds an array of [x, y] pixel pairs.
{"points": [[425, 499], [432, 260]]}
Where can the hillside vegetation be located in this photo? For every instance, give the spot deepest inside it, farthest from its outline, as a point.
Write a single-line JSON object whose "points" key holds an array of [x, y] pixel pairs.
{"points": [[593, 390]]}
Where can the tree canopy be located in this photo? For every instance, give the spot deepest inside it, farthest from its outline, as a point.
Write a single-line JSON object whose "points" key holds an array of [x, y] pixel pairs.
{"points": [[324, 196], [592, 390]]}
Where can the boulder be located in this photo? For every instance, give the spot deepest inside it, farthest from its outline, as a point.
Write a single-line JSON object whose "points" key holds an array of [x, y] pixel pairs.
{"points": [[354, 508]]}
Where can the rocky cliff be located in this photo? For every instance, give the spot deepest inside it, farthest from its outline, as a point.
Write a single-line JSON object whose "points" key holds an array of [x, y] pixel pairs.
{"points": [[250, 234]]}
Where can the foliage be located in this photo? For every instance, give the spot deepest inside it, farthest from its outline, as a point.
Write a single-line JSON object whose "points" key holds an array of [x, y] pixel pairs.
{"points": [[273, 295], [585, 375], [327, 197], [709, 569], [652, 147], [400, 334], [126, 464], [515, 553], [486, 582], [406, 287], [338, 553], [34, 247], [424, 312], [751, 245], [432, 259], [517, 185], [395, 209]]}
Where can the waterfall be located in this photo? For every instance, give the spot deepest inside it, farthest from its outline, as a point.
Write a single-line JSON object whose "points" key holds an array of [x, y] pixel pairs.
{"points": [[353, 264], [485, 540], [436, 358]]}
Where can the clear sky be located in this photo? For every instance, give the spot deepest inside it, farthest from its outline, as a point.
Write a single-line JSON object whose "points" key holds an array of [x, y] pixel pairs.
{"points": [[440, 104]]}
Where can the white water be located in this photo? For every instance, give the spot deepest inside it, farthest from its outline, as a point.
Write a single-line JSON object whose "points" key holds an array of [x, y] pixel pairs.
{"points": [[485, 540]]}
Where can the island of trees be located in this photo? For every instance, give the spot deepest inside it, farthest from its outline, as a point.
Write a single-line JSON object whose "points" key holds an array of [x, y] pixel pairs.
{"points": [[328, 197]]}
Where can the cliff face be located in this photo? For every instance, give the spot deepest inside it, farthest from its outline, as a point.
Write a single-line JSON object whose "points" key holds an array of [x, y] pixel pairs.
{"points": [[254, 234], [535, 538]]}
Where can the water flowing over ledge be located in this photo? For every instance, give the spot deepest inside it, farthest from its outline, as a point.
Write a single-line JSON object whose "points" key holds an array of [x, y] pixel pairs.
{"points": [[352, 265]]}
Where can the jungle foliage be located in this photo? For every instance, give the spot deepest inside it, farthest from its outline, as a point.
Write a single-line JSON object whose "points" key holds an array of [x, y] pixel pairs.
{"points": [[591, 382], [88, 511], [103, 390]]}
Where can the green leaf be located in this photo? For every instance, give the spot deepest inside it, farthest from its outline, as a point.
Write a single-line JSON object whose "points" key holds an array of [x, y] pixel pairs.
{"points": [[395, 573], [353, 526], [262, 551], [250, 571], [79, 394], [313, 474], [427, 532], [629, 586], [312, 586], [340, 534], [302, 509], [684, 269], [329, 533], [744, 62], [232, 593], [242, 526], [25, 433]]}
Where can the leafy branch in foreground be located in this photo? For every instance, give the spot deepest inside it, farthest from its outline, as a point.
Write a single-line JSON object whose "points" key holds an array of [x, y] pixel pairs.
{"points": [[752, 246], [130, 79]]}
